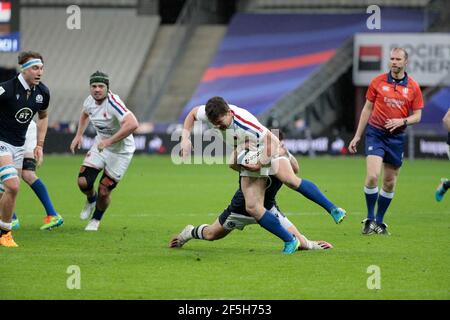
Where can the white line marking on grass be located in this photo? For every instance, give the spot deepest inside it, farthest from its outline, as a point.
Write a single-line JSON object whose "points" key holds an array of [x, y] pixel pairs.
{"points": [[301, 213], [190, 214]]}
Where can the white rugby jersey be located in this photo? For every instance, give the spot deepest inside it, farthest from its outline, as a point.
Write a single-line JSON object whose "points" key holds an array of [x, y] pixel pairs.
{"points": [[106, 119], [244, 126]]}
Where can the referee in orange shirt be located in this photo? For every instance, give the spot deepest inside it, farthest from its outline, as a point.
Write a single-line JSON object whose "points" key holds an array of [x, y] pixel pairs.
{"points": [[394, 101]]}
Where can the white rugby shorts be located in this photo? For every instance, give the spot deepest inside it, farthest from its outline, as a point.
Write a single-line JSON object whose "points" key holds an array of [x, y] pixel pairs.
{"points": [[240, 221], [115, 164], [16, 153]]}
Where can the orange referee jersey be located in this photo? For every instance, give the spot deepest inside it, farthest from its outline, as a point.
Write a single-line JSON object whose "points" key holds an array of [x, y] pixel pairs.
{"points": [[393, 100]]}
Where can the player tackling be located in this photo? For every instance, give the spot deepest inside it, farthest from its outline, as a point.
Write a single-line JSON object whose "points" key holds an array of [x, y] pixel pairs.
{"points": [[235, 215], [241, 129]]}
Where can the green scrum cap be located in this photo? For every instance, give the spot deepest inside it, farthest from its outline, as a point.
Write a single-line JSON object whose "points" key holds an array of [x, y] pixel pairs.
{"points": [[98, 76]]}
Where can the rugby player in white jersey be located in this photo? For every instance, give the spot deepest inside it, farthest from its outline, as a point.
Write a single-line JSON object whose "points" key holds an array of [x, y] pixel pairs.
{"points": [[240, 127], [236, 217], [113, 148]]}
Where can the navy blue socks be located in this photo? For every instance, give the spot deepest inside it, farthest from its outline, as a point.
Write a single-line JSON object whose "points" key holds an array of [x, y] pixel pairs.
{"points": [[41, 191]]}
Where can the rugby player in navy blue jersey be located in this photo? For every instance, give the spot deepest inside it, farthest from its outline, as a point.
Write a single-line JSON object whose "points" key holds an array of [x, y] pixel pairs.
{"points": [[235, 216], [20, 99], [241, 129], [52, 218]]}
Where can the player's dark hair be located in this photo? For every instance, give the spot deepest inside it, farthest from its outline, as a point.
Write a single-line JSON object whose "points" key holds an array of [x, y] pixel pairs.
{"points": [[24, 56], [215, 108]]}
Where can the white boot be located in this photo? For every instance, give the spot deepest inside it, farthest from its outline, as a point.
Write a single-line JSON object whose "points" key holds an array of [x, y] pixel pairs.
{"points": [[87, 210], [183, 237], [92, 225]]}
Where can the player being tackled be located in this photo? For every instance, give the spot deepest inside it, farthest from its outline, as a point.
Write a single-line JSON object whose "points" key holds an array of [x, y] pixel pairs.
{"points": [[235, 216]]}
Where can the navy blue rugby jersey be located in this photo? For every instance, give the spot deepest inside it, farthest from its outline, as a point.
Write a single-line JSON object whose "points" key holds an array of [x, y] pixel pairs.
{"points": [[16, 111]]}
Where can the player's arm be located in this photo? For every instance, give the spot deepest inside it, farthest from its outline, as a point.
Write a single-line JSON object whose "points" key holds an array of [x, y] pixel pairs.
{"points": [[189, 121], [415, 117], [364, 118], [394, 123], [271, 147], [417, 106], [233, 161], [41, 125], [188, 124], [128, 125], [284, 152], [270, 151], [83, 122], [446, 120], [294, 163], [2, 93]]}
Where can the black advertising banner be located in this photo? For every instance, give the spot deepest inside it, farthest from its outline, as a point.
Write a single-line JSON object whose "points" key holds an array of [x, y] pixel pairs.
{"points": [[424, 146]]}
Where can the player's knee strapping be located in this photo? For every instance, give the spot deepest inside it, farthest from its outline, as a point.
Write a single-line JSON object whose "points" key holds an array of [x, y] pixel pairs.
{"points": [[108, 182], [7, 172], [90, 175], [29, 164]]}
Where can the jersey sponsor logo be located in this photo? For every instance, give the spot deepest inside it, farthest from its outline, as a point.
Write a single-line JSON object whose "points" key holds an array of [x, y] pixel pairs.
{"points": [[24, 115], [1, 90], [392, 102], [39, 98], [104, 130]]}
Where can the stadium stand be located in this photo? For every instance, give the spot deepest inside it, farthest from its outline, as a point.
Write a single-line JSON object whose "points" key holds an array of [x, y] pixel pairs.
{"points": [[182, 51], [435, 108], [103, 43], [263, 57], [53, 3], [198, 54], [290, 5]]}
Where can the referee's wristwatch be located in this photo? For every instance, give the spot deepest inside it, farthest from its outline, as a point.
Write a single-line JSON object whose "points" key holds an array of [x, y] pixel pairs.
{"points": [[405, 122]]}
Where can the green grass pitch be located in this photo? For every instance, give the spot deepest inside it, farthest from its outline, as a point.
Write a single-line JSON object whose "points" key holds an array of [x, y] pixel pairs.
{"points": [[129, 258]]}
